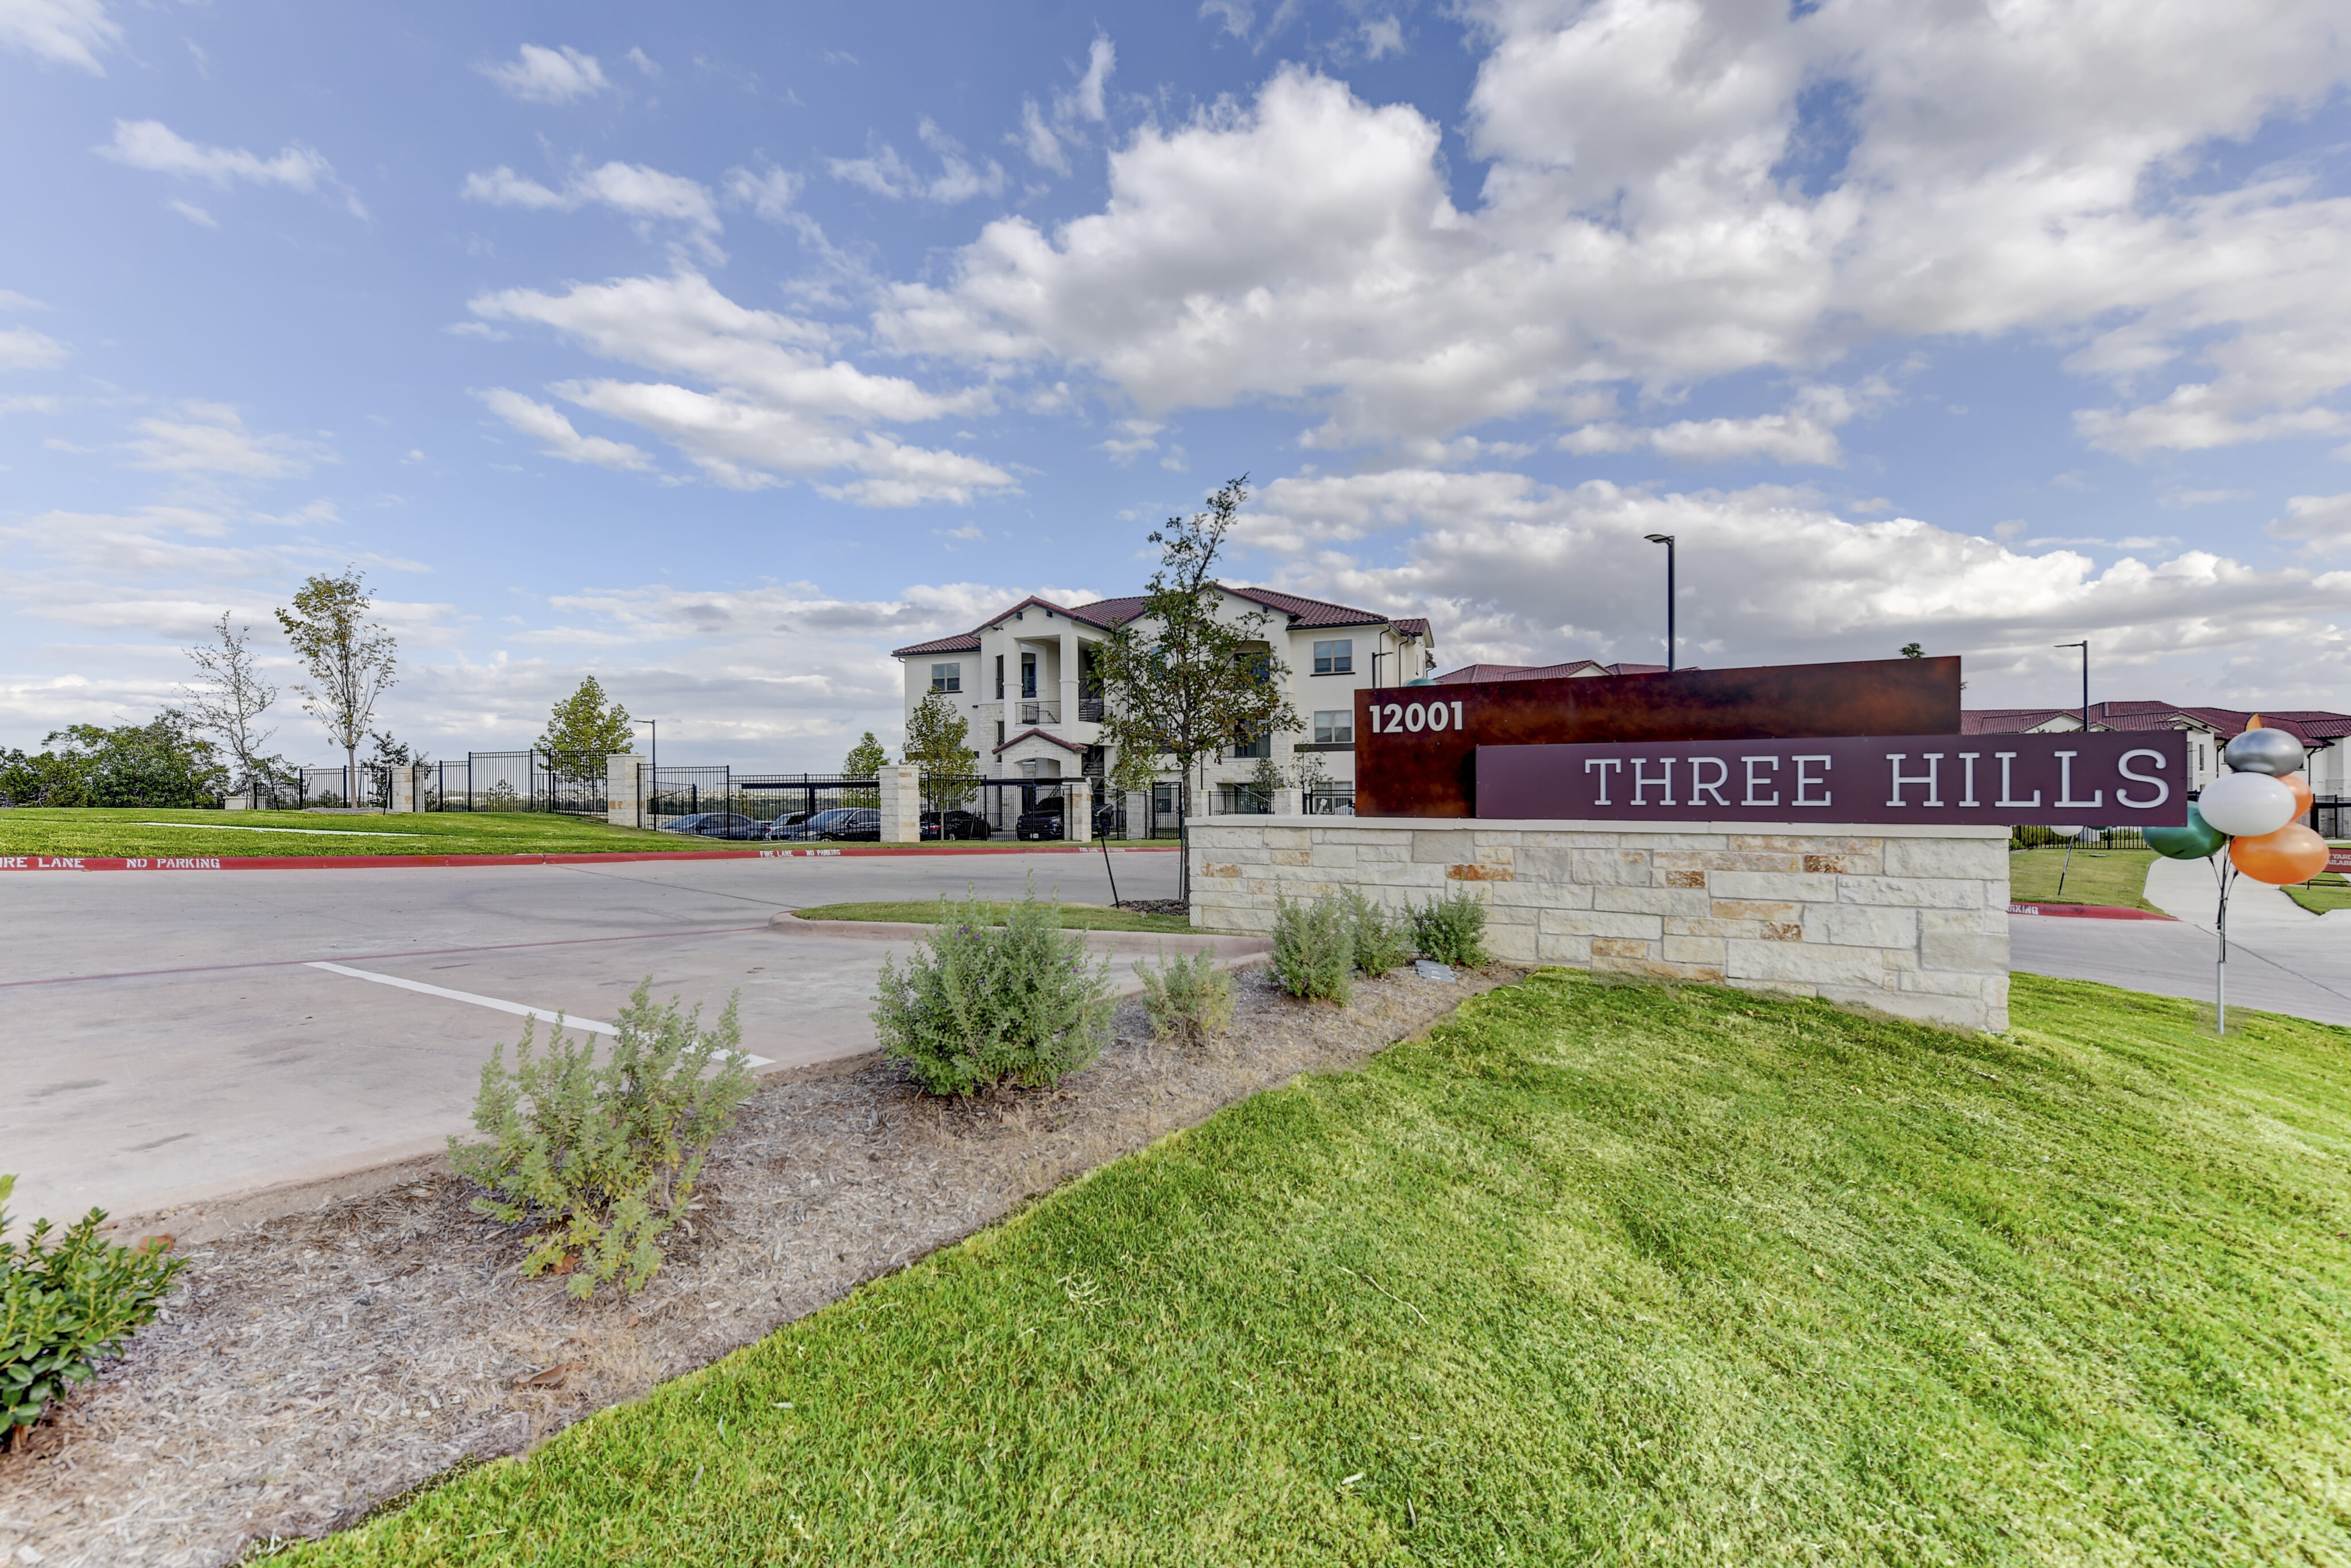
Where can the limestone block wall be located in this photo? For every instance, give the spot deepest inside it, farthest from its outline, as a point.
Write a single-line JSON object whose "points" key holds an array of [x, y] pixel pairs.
{"points": [[1912, 921]]}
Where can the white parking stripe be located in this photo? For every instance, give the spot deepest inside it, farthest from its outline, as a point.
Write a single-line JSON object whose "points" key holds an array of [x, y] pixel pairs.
{"points": [[518, 1009]]}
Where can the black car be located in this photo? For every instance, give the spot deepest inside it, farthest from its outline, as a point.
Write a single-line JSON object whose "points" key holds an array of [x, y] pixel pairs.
{"points": [[957, 825], [1044, 820], [846, 823], [790, 825], [716, 825]]}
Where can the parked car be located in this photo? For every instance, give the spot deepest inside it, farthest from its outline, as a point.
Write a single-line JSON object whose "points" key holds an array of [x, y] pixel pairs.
{"points": [[958, 825], [790, 825], [1044, 820], [716, 825], [846, 823]]}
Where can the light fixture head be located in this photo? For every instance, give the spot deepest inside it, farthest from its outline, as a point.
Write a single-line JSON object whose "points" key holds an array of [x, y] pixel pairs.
{"points": [[1658, 539]]}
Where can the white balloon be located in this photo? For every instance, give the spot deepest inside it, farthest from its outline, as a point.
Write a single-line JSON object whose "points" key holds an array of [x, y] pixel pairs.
{"points": [[2244, 805], [2067, 832]]}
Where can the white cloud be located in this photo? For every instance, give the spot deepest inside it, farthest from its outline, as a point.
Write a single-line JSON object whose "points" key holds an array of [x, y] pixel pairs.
{"points": [[769, 193], [152, 145], [631, 189], [1038, 139], [1513, 569], [885, 174], [1805, 433], [22, 349], [65, 32], [212, 437], [192, 212], [544, 423], [1087, 98], [1140, 435], [2322, 523], [12, 301], [771, 403], [559, 75], [1664, 204]]}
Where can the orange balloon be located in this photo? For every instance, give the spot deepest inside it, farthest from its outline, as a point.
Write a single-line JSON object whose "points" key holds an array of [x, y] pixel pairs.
{"points": [[2293, 853], [2302, 795]]}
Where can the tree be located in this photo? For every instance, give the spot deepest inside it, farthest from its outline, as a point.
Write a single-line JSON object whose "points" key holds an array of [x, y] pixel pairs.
{"points": [[865, 760], [232, 699], [935, 737], [582, 730], [159, 763], [1913, 651], [350, 659], [1182, 680]]}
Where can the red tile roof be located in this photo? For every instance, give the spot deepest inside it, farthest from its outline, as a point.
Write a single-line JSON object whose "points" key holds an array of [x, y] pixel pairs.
{"points": [[1064, 745], [1472, 673], [1301, 612], [2311, 726]]}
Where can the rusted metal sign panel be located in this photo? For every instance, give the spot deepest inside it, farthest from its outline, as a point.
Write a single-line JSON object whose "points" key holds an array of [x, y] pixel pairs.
{"points": [[2136, 780], [1415, 746]]}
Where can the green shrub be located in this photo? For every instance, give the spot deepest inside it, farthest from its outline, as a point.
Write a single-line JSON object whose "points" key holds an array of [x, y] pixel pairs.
{"points": [[1382, 940], [604, 1157], [1187, 998], [1314, 949], [982, 1005], [1451, 929], [65, 1304]]}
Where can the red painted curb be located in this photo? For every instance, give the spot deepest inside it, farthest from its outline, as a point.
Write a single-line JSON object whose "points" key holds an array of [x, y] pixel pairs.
{"points": [[354, 862], [2087, 911]]}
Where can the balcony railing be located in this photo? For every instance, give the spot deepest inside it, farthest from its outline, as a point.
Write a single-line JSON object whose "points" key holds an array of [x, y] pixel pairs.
{"points": [[1040, 713], [1090, 710]]}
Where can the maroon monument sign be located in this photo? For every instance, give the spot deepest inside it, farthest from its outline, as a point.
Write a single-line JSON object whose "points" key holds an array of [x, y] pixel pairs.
{"points": [[1417, 747], [2137, 781]]}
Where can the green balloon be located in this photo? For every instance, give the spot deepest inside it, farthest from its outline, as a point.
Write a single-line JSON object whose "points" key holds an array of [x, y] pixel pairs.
{"points": [[2199, 840]]}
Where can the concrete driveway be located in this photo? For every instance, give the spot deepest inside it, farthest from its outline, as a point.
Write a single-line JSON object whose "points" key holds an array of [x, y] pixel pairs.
{"points": [[174, 1039]]}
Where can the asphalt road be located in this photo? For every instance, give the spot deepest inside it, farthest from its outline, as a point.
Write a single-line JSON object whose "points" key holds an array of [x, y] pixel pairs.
{"points": [[2300, 968], [172, 1036]]}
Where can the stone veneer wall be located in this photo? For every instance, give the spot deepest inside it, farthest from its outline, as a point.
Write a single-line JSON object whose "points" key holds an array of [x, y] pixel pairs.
{"points": [[1911, 921]]}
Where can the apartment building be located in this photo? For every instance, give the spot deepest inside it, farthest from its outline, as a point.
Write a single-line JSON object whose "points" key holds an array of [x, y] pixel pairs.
{"points": [[2322, 733], [1025, 679]]}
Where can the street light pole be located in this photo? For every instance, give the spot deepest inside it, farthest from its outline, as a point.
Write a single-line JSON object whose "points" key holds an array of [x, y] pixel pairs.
{"points": [[1667, 540], [654, 725], [2085, 645]]}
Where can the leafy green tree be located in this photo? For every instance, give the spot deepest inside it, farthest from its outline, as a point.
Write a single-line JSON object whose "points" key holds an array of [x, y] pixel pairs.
{"points": [[1183, 680], [865, 760], [350, 659], [160, 763], [936, 742], [1913, 651], [582, 730]]}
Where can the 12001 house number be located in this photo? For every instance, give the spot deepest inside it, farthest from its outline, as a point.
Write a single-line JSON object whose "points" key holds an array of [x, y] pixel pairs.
{"points": [[1393, 718]]}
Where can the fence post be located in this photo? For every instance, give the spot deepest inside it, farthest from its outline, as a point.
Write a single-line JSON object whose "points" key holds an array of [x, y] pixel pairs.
{"points": [[404, 790], [902, 804], [1077, 810], [623, 806]]}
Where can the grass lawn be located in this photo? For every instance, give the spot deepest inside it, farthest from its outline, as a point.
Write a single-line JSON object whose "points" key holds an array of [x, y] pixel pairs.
{"points": [[1588, 1275], [2098, 876], [1075, 916], [2327, 891], [124, 830]]}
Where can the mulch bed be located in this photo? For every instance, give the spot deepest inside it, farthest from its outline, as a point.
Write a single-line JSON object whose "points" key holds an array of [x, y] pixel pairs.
{"points": [[313, 1366]]}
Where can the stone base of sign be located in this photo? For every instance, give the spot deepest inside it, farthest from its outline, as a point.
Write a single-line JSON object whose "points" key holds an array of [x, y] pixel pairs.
{"points": [[1910, 921]]}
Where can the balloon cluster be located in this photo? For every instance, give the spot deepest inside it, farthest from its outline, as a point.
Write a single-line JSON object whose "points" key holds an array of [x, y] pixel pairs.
{"points": [[2255, 810]]}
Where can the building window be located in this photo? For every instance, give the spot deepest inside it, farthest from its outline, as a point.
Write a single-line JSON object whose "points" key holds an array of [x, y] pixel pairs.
{"points": [[1336, 658], [1028, 674], [946, 677], [1260, 746], [999, 677], [1335, 727], [999, 734]]}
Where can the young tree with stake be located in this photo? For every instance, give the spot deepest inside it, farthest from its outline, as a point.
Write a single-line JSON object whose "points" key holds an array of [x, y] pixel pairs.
{"points": [[582, 730], [935, 737], [350, 659], [1182, 680], [232, 699]]}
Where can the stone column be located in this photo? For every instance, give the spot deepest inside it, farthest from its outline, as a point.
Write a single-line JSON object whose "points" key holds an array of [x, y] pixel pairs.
{"points": [[403, 789], [902, 804], [1077, 810], [1068, 682], [623, 806]]}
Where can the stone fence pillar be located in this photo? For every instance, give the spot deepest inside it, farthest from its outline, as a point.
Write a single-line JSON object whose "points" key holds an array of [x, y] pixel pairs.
{"points": [[1078, 812], [902, 804], [624, 805], [403, 789]]}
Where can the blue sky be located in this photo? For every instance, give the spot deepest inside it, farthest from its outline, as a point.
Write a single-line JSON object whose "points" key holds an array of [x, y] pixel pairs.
{"points": [[715, 352]]}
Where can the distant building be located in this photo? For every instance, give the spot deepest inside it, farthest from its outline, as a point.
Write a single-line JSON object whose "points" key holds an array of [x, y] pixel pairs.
{"points": [[1572, 670], [2322, 733], [1025, 680]]}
